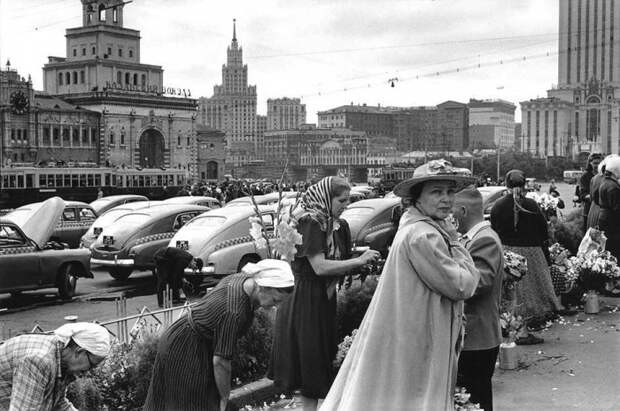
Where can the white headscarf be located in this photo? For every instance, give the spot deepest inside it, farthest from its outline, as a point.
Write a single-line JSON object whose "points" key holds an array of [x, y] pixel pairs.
{"points": [[92, 337], [271, 273]]}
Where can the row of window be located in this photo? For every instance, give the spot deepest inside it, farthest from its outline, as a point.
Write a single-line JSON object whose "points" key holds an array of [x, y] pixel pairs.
{"points": [[93, 51], [71, 77], [130, 78], [69, 136], [88, 180]]}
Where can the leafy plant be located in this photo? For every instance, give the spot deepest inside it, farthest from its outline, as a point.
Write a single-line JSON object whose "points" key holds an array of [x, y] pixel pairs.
{"points": [[569, 231], [352, 305]]}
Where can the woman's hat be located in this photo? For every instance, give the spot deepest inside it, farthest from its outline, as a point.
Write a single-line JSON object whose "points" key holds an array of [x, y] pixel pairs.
{"points": [[271, 273], [432, 171], [612, 166]]}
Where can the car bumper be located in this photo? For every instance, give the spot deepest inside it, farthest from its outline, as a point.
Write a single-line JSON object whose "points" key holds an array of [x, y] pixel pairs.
{"points": [[209, 270], [116, 262]]}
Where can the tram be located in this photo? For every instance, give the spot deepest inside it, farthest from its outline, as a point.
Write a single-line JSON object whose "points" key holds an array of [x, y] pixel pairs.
{"points": [[24, 185], [390, 176]]}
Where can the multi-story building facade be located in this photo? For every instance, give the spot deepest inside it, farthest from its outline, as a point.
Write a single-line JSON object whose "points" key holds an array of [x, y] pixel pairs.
{"points": [[143, 124], [313, 152], [285, 113], [580, 113], [211, 153], [39, 129], [261, 127], [232, 108], [444, 127], [491, 123]]}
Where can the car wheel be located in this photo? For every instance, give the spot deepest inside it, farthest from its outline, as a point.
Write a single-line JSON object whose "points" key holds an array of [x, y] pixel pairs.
{"points": [[67, 281], [120, 273], [247, 259]]}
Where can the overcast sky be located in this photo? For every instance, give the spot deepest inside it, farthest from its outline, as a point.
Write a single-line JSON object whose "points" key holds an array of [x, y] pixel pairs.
{"points": [[327, 52]]}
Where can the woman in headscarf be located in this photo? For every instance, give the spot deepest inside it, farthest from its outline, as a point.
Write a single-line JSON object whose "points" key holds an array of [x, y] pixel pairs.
{"points": [[609, 200], [305, 342], [522, 227], [192, 369], [405, 353], [595, 185]]}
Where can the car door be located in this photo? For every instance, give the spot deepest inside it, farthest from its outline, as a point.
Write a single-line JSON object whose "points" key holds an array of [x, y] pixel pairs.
{"points": [[87, 217], [19, 261]]}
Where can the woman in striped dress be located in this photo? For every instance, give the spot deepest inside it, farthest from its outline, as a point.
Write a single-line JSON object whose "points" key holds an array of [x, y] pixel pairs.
{"points": [[192, 369]]}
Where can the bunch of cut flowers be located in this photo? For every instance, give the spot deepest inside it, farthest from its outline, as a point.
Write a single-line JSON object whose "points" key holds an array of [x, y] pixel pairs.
{"points": [[511, 324], [515, 268], [280, 241], [594, 271], [462, 402], [547, 203], [343, 349], [559, 267]]}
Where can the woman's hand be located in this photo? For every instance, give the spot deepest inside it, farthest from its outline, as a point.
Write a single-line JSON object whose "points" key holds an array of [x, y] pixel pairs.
{"points": [[450, 229], [369, 256]]}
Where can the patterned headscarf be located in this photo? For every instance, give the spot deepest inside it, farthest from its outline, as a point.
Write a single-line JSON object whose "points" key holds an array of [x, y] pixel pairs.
{"points": [[317, 203]]}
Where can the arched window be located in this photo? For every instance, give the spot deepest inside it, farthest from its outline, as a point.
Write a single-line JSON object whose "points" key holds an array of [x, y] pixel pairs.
{"points": [[60, 78], [119, 78], [101, 12], [135, 79], [127, 78], [115, 15], [68, 78]]}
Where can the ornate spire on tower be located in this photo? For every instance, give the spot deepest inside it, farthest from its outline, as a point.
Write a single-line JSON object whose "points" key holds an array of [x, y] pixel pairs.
{"points": [[234, 30]]}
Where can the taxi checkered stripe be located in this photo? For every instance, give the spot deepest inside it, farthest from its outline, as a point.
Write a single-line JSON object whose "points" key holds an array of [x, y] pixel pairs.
{"points": [[66, 225], [238, 240], [379, 227], [17, 250], [154, 237]]}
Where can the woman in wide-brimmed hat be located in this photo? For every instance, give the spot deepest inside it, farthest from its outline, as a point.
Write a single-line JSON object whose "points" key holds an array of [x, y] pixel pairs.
{"points": [[406, 350]]}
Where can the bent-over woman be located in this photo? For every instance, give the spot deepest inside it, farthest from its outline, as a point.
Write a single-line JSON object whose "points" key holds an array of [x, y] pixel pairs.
{"points": [[192, 369]]}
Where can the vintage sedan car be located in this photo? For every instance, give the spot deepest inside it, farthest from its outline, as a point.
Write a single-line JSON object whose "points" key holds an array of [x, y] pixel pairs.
{"points": [[29, 262], [130, 242], [101, 205], [74, 221], [490, 194], [264, 199], [198, 200], [220, 242], [373, 222], [109, 217]]}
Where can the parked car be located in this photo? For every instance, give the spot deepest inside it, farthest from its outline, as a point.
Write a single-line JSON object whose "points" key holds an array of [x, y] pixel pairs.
{"points": [[264, 199], [130, 242], [101, 205], [198, 200], [74, 221], [109, 217], [373, 222], [220, 242], [490, 194], [28, 261]]}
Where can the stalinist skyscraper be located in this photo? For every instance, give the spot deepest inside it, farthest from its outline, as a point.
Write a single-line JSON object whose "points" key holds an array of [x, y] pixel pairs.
{"points": [[581, 114], [232, 109]]}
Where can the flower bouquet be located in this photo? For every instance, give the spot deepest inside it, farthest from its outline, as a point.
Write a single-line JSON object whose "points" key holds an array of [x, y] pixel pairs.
{"points": [[515, 268], [547, 203], [594, 271], [559, 267], [461, 400], [511, 324], [343, 349]]}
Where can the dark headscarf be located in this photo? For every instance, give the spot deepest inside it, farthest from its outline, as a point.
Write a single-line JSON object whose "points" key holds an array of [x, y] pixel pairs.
{"points": [[515, 180]]}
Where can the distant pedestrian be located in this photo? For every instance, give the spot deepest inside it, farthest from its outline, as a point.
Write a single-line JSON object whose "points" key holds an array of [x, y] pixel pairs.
{"points": [[99, 193], [35, 369], [170, 262], [192, 369]]}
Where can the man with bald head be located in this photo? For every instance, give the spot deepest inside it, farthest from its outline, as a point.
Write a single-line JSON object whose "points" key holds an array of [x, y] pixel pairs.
{"points": [[482, 329]]}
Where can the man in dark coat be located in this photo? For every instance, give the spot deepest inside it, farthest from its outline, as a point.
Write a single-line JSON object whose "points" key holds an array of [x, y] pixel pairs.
{"points": [[594, 160], [170, 263]]}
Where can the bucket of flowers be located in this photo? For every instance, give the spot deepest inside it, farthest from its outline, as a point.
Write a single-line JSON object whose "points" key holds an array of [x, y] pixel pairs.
{"points": [[511, 324], [593, 271], [547, 203], [559, 267]]}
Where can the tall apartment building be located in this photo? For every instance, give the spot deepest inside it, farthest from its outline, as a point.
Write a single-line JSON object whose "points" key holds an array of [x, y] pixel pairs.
{"points": [[580, 113], [285, 113], [491, 123], [232, 108]]}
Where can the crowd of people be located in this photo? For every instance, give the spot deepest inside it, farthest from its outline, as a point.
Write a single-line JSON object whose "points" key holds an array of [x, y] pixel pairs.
{"points": [[412, 348]]}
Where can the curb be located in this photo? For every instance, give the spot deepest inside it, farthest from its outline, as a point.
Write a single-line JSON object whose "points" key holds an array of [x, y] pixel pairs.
{"points": [[255, 392]]}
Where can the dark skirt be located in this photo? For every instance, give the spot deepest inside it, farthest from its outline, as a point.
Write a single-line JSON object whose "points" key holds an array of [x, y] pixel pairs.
{"points": [[535, 295], [183, 372], [305, 345], [593, 216]]}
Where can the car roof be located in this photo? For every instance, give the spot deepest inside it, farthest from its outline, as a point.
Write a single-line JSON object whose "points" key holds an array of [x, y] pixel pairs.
{"points": [[376, 202], [72, 203], [168, 209], [189, 199], [120, 197]]}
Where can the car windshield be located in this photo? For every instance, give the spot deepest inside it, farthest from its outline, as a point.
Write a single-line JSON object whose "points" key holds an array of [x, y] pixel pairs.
{"points": [[356, 213], [10, 235], [133, 219]]}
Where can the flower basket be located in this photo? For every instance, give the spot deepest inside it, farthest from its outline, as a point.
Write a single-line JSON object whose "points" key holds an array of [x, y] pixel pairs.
{"points": [[594, 271], [559, 267]]}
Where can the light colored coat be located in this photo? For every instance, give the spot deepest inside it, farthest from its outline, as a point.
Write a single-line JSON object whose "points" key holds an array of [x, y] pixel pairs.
{"points": [[405, 354]]}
